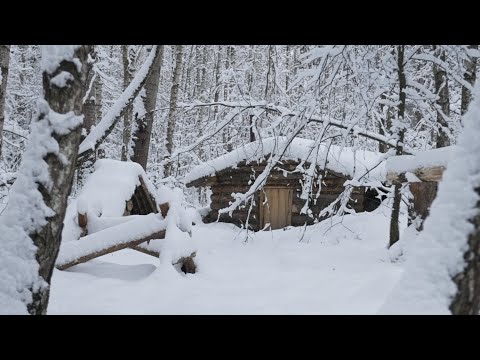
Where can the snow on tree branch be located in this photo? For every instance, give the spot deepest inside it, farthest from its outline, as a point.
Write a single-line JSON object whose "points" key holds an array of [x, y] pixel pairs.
{"points": [[98, 134], [439, 254]]}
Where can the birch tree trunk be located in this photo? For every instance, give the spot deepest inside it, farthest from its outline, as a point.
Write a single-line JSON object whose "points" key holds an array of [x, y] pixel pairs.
{"points": [[33, 220], [92, 114], [216, 94], [94, 140], [4, 62], [143, 133], [402, 81], [470, 76], [128, 56], [167, 171], [443, 101]]}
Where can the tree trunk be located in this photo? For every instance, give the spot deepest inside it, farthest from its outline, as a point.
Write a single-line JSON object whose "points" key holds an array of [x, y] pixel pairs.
{"points": [[443, 101], [93, 142], [4, 62], [382, 147], [128, 56], [216, 94], [470, 76], [424, 193], [173, 104], [467, 298], [402, 81], [144, 125], [89, 119], [61, 161]]}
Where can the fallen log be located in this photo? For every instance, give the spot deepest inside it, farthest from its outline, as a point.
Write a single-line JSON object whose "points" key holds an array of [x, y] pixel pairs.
{"points": [[146, 250], [131, 233]]}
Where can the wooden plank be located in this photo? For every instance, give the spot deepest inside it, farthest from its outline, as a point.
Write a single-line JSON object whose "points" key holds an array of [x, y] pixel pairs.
{"points": [[289, 207]]}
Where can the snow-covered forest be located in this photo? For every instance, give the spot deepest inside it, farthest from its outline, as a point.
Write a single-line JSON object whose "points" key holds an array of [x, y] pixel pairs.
{"points": [[239, 179]]}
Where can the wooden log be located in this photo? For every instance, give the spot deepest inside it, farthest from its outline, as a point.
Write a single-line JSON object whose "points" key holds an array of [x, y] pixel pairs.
{"points": [[145, 250], [423, 195], [148, 198], [434, 174], [108, 250], [204, 181], [164, 209], [82, 220]]}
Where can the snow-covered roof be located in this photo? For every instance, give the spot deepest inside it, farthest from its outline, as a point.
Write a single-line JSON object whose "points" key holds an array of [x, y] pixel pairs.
{"points": [[421, 159], [343, 160], [112, 184]]}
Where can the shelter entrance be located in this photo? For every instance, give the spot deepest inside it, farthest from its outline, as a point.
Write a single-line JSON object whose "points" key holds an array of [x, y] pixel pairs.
{"points": [[276, 207]]}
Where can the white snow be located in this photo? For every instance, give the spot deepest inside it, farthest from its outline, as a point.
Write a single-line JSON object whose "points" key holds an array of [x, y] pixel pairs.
{"points": [[111, 184], [101, 128], [104, 195], [338, 268], [139, 227], [52, 55], [61, 79], [342, 160], [421, 159], [26, 211], [427, 286]]}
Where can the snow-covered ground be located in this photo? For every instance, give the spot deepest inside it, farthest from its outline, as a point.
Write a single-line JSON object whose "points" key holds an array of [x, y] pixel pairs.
{"points": [[344, 269]]}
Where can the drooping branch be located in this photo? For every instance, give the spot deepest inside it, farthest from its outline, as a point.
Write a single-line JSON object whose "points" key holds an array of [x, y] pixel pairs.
{"points": [[98, 134], [284, 112]]}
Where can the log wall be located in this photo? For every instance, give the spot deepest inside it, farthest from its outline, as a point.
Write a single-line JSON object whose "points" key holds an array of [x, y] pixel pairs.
{"points": [[238, 180]]}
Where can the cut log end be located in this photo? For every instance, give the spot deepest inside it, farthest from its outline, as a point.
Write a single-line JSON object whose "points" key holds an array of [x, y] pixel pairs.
{"points": [[164, 208], [82, 220]]}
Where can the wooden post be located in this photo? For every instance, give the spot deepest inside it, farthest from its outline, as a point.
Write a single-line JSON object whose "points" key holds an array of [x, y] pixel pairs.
{"points": [[423, 195]]}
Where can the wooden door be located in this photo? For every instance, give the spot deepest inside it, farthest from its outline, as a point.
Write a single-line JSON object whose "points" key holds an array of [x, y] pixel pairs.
{"points": [[276, 207]]}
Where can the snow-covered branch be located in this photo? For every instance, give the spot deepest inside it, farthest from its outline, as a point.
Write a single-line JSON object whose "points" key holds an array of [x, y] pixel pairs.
{"points": [[99, 133]]}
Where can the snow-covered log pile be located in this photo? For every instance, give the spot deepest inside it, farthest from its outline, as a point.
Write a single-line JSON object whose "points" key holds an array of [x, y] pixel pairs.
{"points": [[98, 221]]}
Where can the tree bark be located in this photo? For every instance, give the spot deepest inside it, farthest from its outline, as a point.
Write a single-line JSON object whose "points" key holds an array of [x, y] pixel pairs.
{"points": [[130, 243], [470, 76], [167, 171], [61, 165], [144, 125], [382, 147], [4, 64], [128, 56], [467, 298], [90, 117], [402, 81], [117, 110], [443, 101]]}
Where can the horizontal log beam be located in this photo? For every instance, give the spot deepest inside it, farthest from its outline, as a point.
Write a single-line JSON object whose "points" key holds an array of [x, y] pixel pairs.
{"points": [[108, 250], [426, 174]]}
